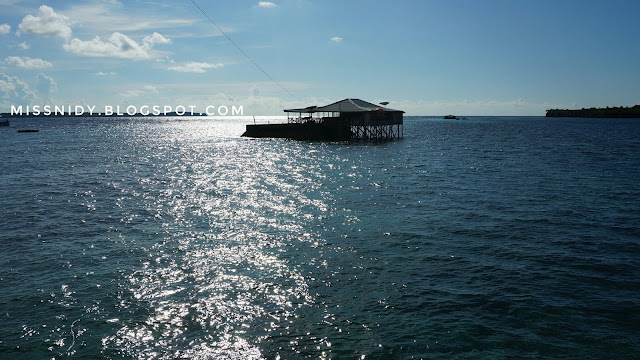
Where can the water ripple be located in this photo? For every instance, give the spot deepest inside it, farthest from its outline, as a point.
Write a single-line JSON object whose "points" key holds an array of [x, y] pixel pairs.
{"points": [[174, 238]]}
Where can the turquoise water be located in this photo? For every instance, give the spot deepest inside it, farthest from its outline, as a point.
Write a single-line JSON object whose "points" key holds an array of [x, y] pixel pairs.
{"points": [[493, 238]]}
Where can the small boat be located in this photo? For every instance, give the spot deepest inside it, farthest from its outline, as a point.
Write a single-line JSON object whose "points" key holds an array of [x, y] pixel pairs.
{"points": [[451, 117], [28, 131], [4, 123]]}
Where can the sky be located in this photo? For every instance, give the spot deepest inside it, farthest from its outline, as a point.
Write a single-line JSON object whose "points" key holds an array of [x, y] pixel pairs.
{"points": [[463, 57]]}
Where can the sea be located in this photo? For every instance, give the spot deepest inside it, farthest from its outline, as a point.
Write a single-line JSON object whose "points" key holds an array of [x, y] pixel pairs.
{"points": [[176, 238]]}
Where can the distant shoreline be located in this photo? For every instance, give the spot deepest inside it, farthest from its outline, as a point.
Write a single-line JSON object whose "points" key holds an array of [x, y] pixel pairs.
{"points": [[608, 112]]}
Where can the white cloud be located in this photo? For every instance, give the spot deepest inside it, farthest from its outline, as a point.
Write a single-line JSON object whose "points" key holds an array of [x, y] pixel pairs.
{"points": [[105, 16], [266, 4], [336, 39], [14, 91], [151, 88], [145, 90], [4, 29], [155, 38], [269, 101], [45, 85], [27, 62], [118, 45], [47, 23], [165, 59], [196, 67], [24, 46], [100, 73], [6, 84], [114, 2]]}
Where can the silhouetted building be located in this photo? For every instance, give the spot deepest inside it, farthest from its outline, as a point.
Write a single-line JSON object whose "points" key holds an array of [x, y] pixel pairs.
{"points": [[343, 120]]}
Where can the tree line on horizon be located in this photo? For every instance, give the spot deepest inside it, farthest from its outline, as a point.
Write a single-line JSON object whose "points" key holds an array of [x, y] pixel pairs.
{"points": [[608, 112]]}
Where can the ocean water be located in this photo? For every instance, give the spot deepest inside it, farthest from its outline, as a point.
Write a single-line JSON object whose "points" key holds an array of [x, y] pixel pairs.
{"points": [[495, 238]]}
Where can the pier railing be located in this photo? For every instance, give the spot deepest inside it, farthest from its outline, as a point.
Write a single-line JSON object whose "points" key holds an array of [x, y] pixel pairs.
{"points": [[373, 128]]}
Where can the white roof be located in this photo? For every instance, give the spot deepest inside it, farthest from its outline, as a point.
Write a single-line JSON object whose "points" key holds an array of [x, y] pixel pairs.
{"points": [[346, 105]]}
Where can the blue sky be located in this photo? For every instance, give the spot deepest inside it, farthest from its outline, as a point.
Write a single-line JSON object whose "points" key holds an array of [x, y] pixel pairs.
{"points": [[463, 57]]}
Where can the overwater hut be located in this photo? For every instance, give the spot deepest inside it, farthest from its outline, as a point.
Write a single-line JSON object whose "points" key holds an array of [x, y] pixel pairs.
{"points": [[343, 120]]}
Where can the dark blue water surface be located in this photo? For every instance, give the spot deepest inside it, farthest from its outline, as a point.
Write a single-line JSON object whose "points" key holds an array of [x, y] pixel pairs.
{"points": [[494, 238]]}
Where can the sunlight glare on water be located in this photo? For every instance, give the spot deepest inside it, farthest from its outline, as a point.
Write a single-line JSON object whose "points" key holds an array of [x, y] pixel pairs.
{"points": [[176, 238], [217, 267]]}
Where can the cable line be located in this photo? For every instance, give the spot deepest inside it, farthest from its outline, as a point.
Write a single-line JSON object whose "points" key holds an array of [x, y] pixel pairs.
{"points": [[243, 53]]}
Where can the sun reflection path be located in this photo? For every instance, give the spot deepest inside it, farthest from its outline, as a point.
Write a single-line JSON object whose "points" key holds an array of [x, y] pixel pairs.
{"points": [[218, 280]]}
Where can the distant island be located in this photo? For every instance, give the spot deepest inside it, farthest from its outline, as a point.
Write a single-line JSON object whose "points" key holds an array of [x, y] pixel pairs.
{"points": [[608, 112]]}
